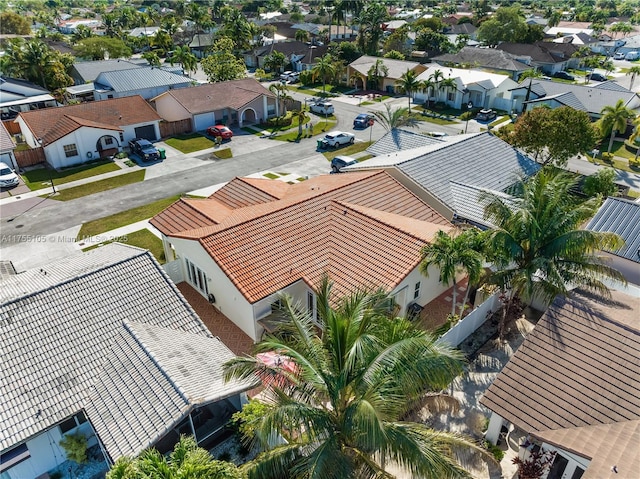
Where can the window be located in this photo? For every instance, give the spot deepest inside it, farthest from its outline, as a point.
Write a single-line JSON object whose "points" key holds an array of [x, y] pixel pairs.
{"points": [[109, 96], [70, 150], [108, 140], [416, 291], [121, 136], [72, 422], [14, 456], [450, 96], [310, 304], [197, 277]]}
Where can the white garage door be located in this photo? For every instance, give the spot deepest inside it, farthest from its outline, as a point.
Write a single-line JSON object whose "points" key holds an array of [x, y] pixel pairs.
{"points": [[204, 121]]}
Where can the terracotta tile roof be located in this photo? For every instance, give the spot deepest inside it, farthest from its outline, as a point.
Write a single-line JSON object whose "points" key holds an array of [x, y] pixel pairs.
{"points": [[605, 445], [214, 96], [363, 229], [578, 367], [190, 213], [241, 192], [51, 124]]}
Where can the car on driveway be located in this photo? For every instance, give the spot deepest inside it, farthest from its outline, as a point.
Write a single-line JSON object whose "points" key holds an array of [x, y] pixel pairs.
{"points": [[618, 56], [363, 120], [597, 77], [340, 162], [220, 131], [564, 75], [8, 177], [322, 108], [144, 149], [335, 139], [486, 115]]}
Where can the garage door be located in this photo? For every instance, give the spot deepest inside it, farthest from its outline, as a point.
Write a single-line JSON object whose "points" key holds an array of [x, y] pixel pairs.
{"points": [[147, 132], [204, 121]]}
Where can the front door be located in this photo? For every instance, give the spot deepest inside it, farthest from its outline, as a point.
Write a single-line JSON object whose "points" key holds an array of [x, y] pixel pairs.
{"points": [[558, 467]]}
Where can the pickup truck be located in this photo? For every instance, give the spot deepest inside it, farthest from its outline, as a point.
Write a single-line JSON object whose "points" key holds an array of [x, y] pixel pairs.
{"points": [[144, 149], [322, 108]]}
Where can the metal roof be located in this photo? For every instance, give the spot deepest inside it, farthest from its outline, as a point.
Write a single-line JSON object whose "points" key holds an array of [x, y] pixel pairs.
{"points": [[623, 218], [89, 71], [139, 78]]}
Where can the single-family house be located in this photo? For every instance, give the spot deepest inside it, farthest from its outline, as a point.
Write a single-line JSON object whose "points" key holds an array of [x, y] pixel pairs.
{"points": [[148, 82], [70, 26], [254, 239], [364, 69], [432, 171], [550, 57], [332, 32], [7, 146], [490, 59], [479, 88], [589, 98], [74, 134], [299, 54], [103, 344], [393, 25], [233, 102], [453, 32], [620, 216], [20, 95], [580, 39], [568, 28], [86, 72], [572, 387], [201, 43]]}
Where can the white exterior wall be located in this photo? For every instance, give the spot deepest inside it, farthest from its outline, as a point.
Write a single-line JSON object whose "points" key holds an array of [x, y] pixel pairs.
{"points": [[574, 461], [146, 93], [228, 299], [493, 430], [129, 131], [170, 109], [430, 288], [85, 139]]}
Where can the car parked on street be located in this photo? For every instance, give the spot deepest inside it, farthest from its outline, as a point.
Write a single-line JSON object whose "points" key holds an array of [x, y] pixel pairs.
{"points": [[144, 149], [340, 162], [220, 131], [618, 56], [632, 56], [486, 115], [335, 139], [363, 120], [285, 76], [564, 75], [322, 108], [597, 77], [8, 177]]}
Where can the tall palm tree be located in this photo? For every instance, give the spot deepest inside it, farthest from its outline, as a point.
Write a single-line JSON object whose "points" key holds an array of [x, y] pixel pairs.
{"points": [[537, 245], [428, 85], [36, 57], [282, 92], [614, 119], [436, 77], [341, 408], [409, 83], [633, 71], [392, 119], [378, 70], [183, 56], [370, 32], [187, 461], [448, 84], [300, 116], [302, 35], [324, 68], [453, 255]]}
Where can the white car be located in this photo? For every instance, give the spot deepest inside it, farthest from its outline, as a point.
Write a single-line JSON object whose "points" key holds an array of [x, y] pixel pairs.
{"points": [[8, 177], [335, 139], [285, 76], [322, 108], [618, 56]]}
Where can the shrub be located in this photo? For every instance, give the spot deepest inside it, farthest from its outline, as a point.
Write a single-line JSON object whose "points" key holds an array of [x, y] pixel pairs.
{"points": [[306, 77], [245, 421], [75, 447], [494, 450], [280, 121], [122, 155]]}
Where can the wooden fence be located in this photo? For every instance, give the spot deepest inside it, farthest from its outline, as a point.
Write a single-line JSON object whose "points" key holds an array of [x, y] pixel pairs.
{"points": [[31, 157], [12, 128], [171, 128]]}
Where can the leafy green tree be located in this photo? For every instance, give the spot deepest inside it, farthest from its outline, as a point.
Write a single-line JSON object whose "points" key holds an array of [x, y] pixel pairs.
{"points": [[537, 244], [394, 55], [187, 461], [453, 255], [275, 61], [347, 51], [430, 41], [615, 119], [507, 25], [324, 68], [81, 33], [152, 58], [341, 409], [246, 420], [397, 41], [13, 23], [600, 183], [543, 132], [222, 65], [390, 119], [97, 48], [409, 83]]}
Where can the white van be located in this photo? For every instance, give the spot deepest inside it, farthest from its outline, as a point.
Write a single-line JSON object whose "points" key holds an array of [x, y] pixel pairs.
{"points": [[632, 56]]}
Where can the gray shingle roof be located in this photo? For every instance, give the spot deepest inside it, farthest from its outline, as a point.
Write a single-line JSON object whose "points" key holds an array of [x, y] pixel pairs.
{"points": [[397, 139], [484, 58], [396, 68], [139, 78], [93, 331], [468, 205], [6, 142], [622, 217], [566, 99]]}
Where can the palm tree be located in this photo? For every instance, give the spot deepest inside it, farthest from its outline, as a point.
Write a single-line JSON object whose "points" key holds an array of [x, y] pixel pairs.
{"points": [[302, 35], [185, 58], [614, 119], [36, 57], [409, 83], [466, 116], [392, 119], [453, 255], [281, 92], [633, 71], [436, 77], [447, 84], [301, 116], [341, 409], [428, 85], [324, 67], [187, 461], [537, 245], [378, 70]]}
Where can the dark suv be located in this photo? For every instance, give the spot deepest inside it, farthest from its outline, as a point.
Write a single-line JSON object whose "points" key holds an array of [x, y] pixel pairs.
{"points": [[144, 149], [340, 162], [564, 75], [363, 120]]}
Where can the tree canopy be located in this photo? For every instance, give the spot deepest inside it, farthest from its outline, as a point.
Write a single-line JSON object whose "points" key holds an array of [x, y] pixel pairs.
{"points": [[12, 23], [99, 48], [222, 65], [507, 25]]}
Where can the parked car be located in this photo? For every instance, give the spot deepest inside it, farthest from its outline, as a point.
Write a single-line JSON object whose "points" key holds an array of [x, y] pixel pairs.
{"points": [[564, 75], [597, 77], [363, 120], [8, 177], [322, 108], [335, 139], [144, 149], [220, 131], [436, 134], [486, 115], [340, 162], [618, 56], [631, 56], [285, 76], [294, 77]]}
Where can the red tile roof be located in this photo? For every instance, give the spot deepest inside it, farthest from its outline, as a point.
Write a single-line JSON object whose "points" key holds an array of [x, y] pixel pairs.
{"points": [[363, 229], [51, 124], [214, 96]]}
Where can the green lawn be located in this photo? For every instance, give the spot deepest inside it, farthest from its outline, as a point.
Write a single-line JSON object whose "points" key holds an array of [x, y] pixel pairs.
{"points": [[142, 239], [436, 120], [108, 223], [348, 150], [190, 143], [41, 177], [98, 186], [223, 154], [252, 131], [318, 128]]}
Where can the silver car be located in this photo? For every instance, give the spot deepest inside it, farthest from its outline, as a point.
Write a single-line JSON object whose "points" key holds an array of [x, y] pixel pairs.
{"points": [[8, 177]]}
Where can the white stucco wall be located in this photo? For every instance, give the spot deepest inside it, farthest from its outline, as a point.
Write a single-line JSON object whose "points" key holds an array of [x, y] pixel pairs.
{"points": [[430, 288], [170, 109], [85, 139]]}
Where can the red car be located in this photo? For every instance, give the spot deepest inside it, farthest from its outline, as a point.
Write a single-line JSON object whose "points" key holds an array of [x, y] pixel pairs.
{"points": [[221, 131]]}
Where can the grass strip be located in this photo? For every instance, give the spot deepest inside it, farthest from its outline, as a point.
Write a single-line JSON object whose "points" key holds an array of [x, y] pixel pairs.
{"points": [[224, 154], [41, 177], [348, 150], [142, 239], [98, 186]]}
